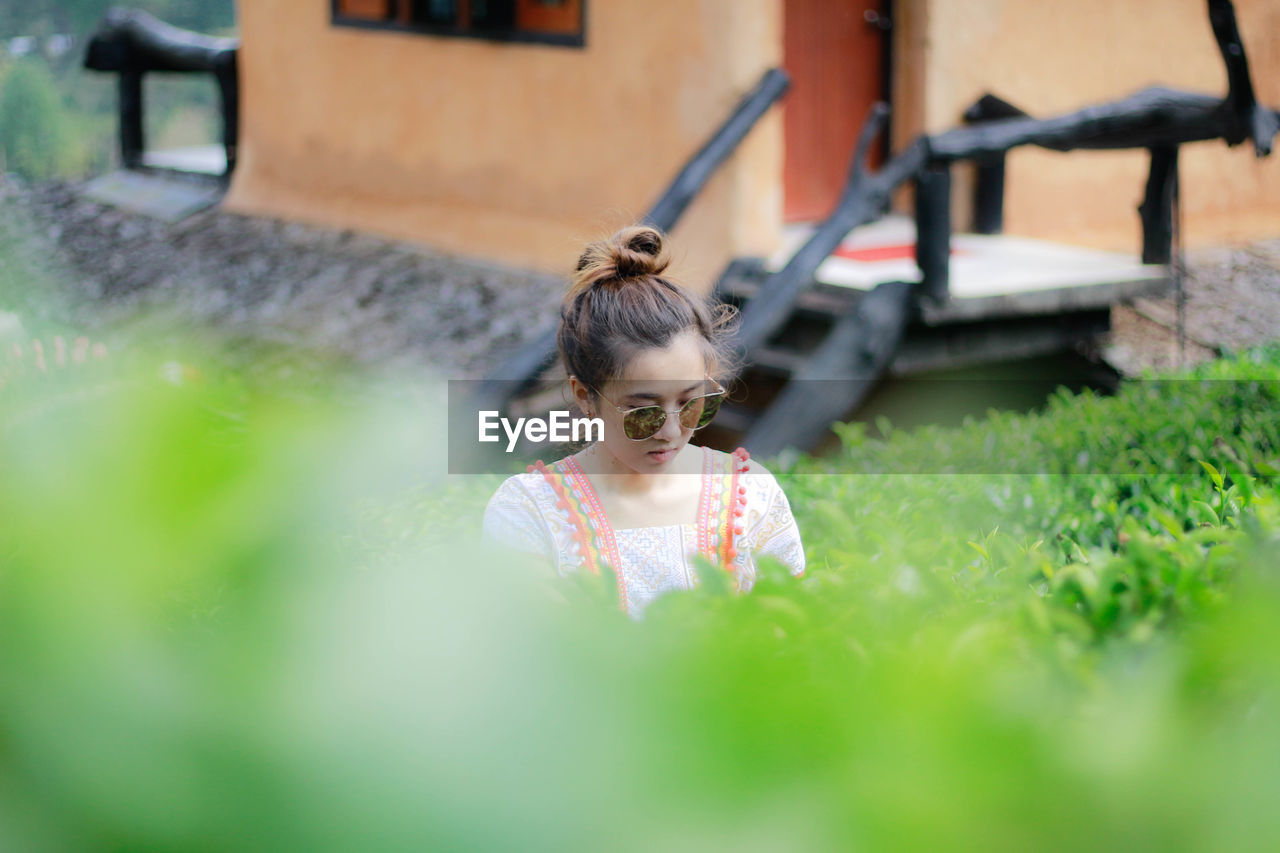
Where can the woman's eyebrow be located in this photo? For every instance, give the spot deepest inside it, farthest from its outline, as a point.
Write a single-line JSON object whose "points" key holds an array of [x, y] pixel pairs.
{"points": [[650, 395]]}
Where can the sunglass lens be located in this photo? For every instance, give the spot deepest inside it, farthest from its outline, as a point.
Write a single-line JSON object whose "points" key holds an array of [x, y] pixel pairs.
{"points": [[699, 411], [710, 408], [644, 423]]}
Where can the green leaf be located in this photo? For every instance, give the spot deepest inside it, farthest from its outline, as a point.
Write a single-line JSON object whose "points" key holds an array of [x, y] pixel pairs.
{"points": [[1265, 467], [1208, 510], [1213, 473]]}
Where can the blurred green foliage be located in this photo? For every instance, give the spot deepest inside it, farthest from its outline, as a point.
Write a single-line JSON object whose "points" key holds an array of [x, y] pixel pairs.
{"points": [[79, 17], [35, 135], [236, 617]]}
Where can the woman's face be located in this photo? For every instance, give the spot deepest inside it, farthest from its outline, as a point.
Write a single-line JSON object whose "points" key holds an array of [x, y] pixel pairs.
{"points": [[668, 377]]}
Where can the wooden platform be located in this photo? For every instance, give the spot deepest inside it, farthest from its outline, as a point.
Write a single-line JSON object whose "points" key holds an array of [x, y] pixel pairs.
{"points": [[196, 159], [167, 196], [1011, 297], [991, 276]]}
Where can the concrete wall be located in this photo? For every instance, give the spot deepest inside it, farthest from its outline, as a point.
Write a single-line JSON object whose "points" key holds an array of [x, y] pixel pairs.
{"points": [[514, 152], [1050, 58]]}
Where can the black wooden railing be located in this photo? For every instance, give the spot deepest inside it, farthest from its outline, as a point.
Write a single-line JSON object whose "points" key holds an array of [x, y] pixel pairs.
{"points": [[861, 345], [132, 44], [522, 367]]}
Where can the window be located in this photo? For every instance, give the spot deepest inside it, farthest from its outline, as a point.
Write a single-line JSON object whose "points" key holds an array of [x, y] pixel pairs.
{"points": [[548, 21]]}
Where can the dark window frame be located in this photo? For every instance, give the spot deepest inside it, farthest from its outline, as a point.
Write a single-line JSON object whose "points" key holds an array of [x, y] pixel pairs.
{"points": [[512, 36]]}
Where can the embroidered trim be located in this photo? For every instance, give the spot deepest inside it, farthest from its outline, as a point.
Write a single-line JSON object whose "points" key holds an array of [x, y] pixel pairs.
{"points": [[588, 503], [737, 501], [570, 504], [720, 511], [706, 513]]}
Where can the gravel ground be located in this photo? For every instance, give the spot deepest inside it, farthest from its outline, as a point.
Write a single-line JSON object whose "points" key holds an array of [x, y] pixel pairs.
{"points": [[1232, 302], [350, 295], [376, 301]]}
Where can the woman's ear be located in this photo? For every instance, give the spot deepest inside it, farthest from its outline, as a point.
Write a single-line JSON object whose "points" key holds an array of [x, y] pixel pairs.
{"points": [[581, 396]]}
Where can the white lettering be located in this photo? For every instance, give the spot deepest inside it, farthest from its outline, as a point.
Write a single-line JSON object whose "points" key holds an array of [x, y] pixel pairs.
{"points": [[560, 428], [487, 424], [593, 427], [513, 435]]}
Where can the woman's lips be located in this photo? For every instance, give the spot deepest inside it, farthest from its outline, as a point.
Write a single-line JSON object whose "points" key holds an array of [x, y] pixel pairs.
{"points": [[662, 455]]}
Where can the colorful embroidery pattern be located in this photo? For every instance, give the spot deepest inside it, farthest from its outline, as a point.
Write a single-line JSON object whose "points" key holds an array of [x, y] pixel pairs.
{"points": [[555, 514], [721, 510], [591, 530], [737, 501], [721, 505]]}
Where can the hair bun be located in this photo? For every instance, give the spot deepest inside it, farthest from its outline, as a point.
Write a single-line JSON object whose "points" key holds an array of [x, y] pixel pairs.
{"points": [[637, 251], [634, 252]]}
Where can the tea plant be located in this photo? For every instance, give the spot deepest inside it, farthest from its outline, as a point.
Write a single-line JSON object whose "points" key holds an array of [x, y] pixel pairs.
{"points": [[234, 618]]}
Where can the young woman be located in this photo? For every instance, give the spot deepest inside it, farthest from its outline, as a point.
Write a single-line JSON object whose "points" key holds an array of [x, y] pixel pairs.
{"points": [[642, 354]]}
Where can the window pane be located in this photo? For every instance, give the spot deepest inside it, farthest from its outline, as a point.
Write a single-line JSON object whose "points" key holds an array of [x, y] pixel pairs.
{"points": [[549, 16], [439, 12], [369, 10], [501, 19], [493, 14]]}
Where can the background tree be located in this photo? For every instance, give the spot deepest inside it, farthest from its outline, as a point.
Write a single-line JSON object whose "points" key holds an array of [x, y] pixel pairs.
{"points": [[35, 134], [79, 17]]}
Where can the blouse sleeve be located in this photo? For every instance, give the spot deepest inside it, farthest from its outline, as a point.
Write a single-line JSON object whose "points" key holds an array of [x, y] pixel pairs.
{"points": [[512, 520], [775, 533]]}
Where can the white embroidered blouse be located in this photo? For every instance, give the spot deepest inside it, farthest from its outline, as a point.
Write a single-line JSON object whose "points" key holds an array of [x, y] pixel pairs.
{"points": [[553, 511]]}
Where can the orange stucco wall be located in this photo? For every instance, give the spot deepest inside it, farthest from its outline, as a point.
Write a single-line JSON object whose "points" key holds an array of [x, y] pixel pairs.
{"points": [[1050, 58], [514, 152]]}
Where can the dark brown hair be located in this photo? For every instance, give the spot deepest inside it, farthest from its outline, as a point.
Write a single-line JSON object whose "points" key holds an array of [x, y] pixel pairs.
{"points": [[618, 304]]}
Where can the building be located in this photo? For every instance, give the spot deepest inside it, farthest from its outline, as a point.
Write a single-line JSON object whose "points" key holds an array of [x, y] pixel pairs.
{"points": [[517, 129]]}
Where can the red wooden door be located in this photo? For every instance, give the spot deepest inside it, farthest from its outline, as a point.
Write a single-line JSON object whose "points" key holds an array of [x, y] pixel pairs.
{"points": [[834, 51]]}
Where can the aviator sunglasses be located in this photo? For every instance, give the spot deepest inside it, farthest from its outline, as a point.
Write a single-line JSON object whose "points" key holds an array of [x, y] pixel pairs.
{"points": [[644, 422]]}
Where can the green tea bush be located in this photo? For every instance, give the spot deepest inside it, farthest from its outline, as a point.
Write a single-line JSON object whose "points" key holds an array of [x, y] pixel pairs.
{"points": [[1070, 500], [233, 617]]}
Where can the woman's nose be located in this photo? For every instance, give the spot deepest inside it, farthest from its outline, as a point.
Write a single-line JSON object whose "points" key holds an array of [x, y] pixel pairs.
{"points": [[671, 429]]}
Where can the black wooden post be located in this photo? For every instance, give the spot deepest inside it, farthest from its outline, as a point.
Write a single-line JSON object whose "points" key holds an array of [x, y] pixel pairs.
{"points": [[988, 189], [933, 230], [228, 78], [1156, 209], [132, 141], [988, 195]]}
